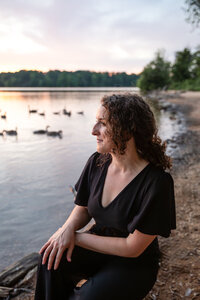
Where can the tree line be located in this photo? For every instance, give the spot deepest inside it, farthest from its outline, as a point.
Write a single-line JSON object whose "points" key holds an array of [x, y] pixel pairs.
{"points": [[183, 74], [56, 78]]}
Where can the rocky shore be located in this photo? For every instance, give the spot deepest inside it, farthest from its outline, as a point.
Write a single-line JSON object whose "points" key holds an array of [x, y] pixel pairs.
{"points": [[179, 273]]}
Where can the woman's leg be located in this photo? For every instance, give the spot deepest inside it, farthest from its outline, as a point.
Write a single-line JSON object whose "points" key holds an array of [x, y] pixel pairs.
{"points": [[59, 284], [53, 284], [117, 280]]}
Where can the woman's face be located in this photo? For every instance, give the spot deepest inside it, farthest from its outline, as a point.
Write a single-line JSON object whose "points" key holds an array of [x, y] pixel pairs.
{"points": [[105, 143]]}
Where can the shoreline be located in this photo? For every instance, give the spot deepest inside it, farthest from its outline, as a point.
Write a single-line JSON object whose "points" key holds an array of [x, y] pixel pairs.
{"points": [[67, 89], [178, 275]]}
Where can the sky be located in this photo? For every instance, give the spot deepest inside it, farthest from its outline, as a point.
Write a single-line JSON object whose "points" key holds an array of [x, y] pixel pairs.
{"points": [[103, 35]]}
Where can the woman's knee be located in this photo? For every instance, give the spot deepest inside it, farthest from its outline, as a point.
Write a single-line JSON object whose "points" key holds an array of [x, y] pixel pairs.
{"points": [[44, 266]]}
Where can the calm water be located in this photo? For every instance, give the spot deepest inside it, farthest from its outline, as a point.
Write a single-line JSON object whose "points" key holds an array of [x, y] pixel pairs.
{"points": [[36, 171]]}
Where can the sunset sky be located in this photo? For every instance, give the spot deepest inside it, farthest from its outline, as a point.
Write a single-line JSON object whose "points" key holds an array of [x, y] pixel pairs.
{"points": [[105, 35]]}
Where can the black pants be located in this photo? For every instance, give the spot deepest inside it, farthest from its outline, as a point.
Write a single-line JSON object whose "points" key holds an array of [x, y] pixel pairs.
{"points": [[109, 278]]}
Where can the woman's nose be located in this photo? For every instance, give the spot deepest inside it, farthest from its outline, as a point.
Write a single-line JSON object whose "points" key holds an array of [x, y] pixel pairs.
{"points": [[95, 130]]}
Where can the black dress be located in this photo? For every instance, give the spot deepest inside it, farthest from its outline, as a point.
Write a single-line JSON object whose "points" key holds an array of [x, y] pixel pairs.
{"points": [[146, 204]]}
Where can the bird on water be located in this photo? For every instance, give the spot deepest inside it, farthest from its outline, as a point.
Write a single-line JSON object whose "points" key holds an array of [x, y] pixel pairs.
{"points": [[55, 133], [11, 132], [41, 131], [31, 110], [4, 116], [80, 112], [41, 113]]}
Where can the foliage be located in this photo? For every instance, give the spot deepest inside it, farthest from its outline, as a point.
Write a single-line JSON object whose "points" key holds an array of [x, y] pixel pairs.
{"points": [[58, 78], [195, 67], [186, 71], [184, 74], [187, 85], [156, 74], [181, 70], [193, 12]]}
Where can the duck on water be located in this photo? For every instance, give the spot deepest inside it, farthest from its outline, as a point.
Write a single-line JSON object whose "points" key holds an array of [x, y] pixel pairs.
{"points": [[11, 132], [41, 131], [49, 133], [55, 133], [31, 110]]}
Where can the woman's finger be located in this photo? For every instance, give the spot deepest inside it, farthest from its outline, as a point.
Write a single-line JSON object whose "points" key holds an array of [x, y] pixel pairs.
{"points": [[44, 247], [51, 257], [69, 252], [58, 258], [46, 253]]}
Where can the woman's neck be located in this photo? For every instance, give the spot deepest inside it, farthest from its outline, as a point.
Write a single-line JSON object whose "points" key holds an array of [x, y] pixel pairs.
{"points": [[129, 161]]}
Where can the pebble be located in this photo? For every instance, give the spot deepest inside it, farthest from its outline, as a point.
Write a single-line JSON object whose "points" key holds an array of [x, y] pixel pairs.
{"points": [[188, 292]]}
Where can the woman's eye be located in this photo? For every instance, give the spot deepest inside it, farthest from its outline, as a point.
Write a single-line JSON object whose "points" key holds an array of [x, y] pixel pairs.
{"points": [[100, 122]]}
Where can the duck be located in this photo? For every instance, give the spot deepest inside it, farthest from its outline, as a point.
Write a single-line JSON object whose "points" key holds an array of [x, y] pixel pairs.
{"points": [[11, 132], [68, 113], [80, 112], [55, 133], [41, 131], [3, 116], [65, 112], [31, 110], [56, 112], [41, 114]]}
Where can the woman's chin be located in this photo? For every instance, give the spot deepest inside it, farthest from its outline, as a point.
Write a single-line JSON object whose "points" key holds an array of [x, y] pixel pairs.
{"points": [[103, 150], [100, 150]]}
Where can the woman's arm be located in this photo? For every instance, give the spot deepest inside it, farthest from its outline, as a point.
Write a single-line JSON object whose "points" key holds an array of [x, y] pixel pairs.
{"points": [[78, 218], [64, 237], [132, 246]]}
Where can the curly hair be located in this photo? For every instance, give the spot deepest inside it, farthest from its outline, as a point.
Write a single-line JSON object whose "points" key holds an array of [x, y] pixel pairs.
{"points": [[130, 116]]}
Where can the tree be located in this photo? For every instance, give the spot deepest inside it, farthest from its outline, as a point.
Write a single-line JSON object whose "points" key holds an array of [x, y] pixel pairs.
{"points": [[56, 78], [156, 74], [193, 11], [195, 69], [181, 70]]}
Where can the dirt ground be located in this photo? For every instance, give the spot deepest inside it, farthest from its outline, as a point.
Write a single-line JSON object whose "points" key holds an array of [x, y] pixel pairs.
{"points": [[179, 273]]}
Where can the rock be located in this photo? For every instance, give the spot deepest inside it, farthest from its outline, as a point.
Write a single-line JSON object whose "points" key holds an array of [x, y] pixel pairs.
{"points": [[15, 272], [4, 291], [188, 292]]}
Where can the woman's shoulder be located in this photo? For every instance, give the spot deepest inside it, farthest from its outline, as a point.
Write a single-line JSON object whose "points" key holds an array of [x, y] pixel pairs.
{"points": [[92, 160], [99, 159], [156, 173], [93, 157]]}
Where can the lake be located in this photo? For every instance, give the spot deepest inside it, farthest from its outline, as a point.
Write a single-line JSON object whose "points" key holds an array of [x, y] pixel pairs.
{"points": [[37, 170]]}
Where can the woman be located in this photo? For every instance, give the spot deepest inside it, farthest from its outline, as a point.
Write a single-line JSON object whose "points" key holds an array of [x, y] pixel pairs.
{"points": [[125, 188]]}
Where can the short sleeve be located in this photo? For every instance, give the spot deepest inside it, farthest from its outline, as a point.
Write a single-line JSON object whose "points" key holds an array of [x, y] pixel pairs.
{"points": [[82, 186], [156, 214]]}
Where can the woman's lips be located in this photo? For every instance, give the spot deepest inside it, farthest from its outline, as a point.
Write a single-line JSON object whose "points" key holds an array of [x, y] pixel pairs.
{"points": [[99, 141]]}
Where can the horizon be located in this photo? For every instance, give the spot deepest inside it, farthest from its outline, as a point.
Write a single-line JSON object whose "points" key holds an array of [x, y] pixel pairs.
{"points": [[34, 70]]}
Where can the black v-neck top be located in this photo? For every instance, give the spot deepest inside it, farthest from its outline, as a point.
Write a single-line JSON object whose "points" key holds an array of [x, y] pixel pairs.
{"points": [[146, 203]]}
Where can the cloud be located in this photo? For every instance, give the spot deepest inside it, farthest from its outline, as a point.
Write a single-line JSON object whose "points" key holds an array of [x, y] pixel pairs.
{"points": [[100, 35]]}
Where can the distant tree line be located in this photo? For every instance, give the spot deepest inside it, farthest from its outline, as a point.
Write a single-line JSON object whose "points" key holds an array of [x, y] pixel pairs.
{"points": [[58, 78], [183, 74]]}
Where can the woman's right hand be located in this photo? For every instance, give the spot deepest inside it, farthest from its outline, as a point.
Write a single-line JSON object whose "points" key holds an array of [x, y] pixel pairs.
{"points": [[62, 239]]}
